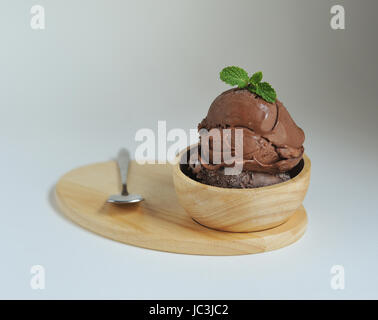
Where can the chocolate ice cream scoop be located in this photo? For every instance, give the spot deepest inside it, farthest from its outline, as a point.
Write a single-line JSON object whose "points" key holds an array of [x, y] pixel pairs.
{"points": [[272, 142]]}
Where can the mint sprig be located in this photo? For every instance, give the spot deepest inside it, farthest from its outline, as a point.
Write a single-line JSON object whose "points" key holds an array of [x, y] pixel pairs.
{"points": [[237, 76]]}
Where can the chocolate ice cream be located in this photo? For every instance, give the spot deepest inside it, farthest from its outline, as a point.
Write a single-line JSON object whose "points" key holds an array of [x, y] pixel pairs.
{"points": [[272, 142]]}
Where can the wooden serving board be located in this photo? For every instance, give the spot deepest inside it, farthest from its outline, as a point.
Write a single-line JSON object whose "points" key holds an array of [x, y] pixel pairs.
{"points": [[159, 222]]}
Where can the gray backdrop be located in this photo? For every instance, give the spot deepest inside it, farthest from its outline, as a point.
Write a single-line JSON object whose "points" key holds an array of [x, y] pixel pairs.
{"points": [[75, 92]]}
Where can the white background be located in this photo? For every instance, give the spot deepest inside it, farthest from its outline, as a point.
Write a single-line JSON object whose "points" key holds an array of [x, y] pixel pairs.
{"points": [[76, 92]]}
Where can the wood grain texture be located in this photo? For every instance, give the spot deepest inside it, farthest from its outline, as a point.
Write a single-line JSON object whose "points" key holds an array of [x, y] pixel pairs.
{"points": [[241, 210], [159, 222]]}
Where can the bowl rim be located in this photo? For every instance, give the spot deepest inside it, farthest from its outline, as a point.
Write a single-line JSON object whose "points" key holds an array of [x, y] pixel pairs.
{"points": [[301, 175]]}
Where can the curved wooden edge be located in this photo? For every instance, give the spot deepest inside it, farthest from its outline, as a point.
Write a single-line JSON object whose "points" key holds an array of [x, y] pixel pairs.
{"points": [[303, 174], [236, 244]]}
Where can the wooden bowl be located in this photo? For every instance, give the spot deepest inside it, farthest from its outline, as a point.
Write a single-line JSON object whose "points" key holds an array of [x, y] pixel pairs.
{"points": [[241, 210]]}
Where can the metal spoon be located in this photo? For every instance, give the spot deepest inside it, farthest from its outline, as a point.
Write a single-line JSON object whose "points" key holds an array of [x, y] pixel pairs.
{"points": [[123, 163]]}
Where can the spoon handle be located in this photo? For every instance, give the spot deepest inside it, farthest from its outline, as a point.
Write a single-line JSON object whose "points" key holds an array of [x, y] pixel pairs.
{"points": [[123, 164]]}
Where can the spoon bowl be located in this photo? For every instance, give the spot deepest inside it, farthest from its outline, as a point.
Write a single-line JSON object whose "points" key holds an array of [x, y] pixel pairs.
{"points": [[120, 199]]}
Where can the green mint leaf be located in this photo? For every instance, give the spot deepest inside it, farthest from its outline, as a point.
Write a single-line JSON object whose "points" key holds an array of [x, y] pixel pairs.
{"points": [[265, 91], [235, 76], [256, 78], [252, 88]]}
